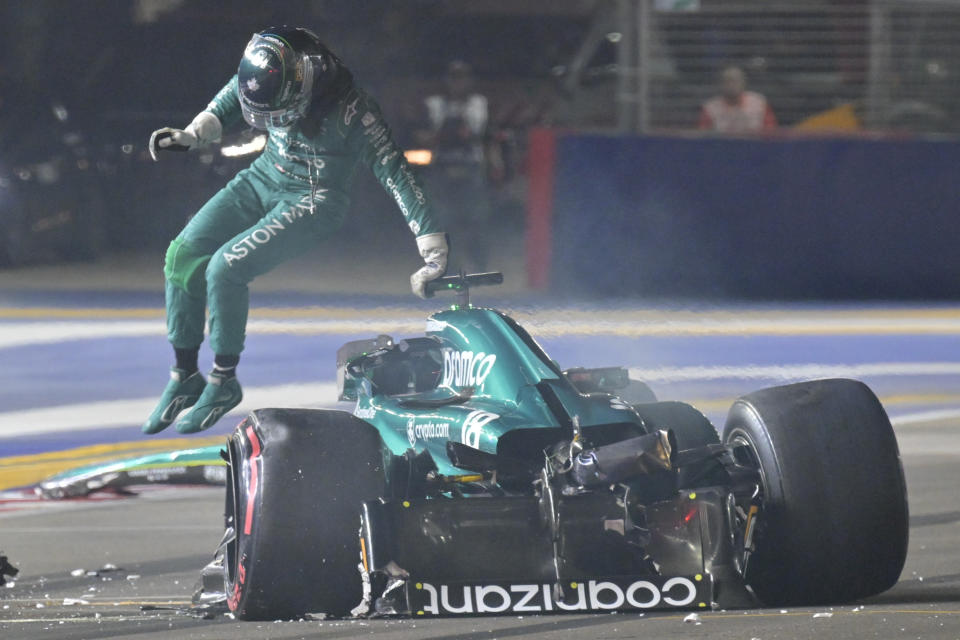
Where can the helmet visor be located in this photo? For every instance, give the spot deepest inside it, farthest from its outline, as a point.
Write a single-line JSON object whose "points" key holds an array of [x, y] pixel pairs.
{"points": [[291, 109]]}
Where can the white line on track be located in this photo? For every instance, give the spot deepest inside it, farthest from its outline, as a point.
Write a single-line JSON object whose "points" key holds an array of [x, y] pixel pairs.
{"points": [[541, 323], [922, 417], [120, 413], [793, 371], [20, 334]]}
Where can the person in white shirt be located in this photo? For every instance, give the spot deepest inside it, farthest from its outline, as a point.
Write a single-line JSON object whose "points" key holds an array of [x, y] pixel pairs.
{"points": [[736, 110]]}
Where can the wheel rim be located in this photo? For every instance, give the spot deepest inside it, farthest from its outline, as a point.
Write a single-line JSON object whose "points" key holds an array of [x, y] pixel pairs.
{"points": [[739, 438], [231, 543], [746, 454]]}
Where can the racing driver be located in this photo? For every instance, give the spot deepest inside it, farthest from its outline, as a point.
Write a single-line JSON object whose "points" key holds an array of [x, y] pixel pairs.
{"points": [[321, 126]]}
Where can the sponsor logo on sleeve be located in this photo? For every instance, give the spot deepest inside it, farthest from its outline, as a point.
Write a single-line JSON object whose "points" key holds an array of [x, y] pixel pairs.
{"points": [[412, 183], [377, 134], [350, 110], [368, 119], [398, 197], [615, 594]]}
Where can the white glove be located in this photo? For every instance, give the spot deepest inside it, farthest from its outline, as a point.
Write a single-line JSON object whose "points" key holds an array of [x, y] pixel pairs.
{"points": [[204, 129], [433, 250]]}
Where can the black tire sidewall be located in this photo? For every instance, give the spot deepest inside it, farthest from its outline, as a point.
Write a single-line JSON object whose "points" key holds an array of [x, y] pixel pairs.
{"points": [[301, 553], [834, 519]]}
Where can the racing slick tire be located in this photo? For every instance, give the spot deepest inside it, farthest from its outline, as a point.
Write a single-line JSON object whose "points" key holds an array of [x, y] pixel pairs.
{"points": [[833, 524], [295, 483]]}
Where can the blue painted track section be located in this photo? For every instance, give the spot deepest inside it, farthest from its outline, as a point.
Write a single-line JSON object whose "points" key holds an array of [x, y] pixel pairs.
{"points": [[75, 371]]}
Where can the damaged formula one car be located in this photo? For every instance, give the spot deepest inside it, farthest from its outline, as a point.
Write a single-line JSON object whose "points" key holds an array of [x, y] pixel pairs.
{"points": [[476, 477]]}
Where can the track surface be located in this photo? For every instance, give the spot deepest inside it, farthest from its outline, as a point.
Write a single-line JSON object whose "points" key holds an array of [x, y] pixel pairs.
{"points": [[160, 539]]}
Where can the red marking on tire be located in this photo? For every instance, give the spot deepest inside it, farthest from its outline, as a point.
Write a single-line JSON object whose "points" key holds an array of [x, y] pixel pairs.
{"points": [[233, 598], [252, 487]]}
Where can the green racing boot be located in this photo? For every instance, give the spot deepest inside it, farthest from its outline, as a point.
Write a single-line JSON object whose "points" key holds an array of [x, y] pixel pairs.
{"points": [[182, 391], [219, 396]]}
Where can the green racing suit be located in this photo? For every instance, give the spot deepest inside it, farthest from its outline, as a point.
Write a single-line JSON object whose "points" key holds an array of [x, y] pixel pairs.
{"points": [[293, 195]]}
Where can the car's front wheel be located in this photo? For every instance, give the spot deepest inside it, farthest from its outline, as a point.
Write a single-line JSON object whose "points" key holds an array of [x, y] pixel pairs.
{"points": [[295, 483]]}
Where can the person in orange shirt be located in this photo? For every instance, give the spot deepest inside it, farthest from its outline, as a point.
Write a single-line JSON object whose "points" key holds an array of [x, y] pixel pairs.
{"points": [[736, 110]]}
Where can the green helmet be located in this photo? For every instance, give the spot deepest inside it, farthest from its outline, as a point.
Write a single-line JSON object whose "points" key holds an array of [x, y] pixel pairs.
{"points": [[277, 75]]}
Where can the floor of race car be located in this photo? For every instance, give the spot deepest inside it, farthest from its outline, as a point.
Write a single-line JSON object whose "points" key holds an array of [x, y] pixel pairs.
{"points": [[159, 540], [80, 372]]}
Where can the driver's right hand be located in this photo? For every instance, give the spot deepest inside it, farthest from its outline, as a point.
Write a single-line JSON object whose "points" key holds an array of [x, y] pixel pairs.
{"points": [[205, 128], [169, 139]]}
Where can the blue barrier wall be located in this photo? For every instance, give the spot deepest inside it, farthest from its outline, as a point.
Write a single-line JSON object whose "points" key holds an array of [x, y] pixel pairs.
{"points": [[784, 218]]}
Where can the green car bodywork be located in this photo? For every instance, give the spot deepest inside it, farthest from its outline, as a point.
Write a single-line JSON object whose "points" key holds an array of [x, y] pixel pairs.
{"points": [[201, 465], [490, 377]]}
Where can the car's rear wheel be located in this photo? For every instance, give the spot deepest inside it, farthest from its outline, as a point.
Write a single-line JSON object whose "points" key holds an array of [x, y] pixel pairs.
{"points": [[833, 522], [691, 427], [295, 484], [692, 430], [637, 392]]}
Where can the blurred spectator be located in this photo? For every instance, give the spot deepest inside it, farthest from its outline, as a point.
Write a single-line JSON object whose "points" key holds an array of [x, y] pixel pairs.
{"points": [[456, 128], [736, 110]]}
